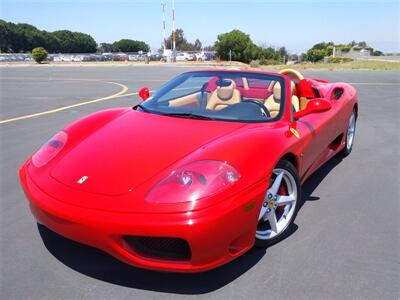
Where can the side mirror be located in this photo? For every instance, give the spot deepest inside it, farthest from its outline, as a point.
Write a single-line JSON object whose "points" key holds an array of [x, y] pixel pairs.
{"points": [[313, 106], [144, 93]]}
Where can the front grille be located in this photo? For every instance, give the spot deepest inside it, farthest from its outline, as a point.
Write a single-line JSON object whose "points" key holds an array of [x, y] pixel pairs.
{"points": [[159, 247]]}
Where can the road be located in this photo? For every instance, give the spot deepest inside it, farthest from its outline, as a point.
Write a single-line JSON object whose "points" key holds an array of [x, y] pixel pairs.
{"points": [[346, 239]]}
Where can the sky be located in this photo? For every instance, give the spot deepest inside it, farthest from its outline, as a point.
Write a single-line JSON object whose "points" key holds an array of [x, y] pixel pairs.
{"points": [[297, 25]]}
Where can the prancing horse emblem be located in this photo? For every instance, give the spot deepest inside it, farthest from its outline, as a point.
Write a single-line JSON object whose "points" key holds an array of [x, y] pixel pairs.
{"points": [[82, 180]]}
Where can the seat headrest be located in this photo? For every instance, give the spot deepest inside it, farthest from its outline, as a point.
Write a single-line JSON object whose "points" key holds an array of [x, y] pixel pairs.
{"points": [[225, 92], [277, 91], [293, 88]]}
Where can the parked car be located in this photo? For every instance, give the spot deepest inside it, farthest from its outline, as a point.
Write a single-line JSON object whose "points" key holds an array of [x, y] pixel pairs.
{"points": [[201, 56], [77, 58], [183, 56], [57, 58]]}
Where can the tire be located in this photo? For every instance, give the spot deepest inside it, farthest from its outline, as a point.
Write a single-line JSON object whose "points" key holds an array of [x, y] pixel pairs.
{"points": [[284, 214], [350, 133]]}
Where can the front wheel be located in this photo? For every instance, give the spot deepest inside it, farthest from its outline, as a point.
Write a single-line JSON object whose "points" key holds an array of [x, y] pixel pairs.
{"points": [[280, 206]]}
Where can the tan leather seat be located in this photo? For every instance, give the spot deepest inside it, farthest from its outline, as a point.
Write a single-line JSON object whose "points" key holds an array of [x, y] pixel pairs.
{"points": [[224, 96], [273, 102]]}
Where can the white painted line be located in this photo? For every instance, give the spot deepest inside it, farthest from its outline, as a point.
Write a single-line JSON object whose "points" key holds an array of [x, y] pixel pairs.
{"points": [[116, 95], [375, 83]]}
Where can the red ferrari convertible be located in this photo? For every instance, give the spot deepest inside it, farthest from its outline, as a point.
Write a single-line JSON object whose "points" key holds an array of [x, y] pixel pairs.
{"points": [[197, 174]]}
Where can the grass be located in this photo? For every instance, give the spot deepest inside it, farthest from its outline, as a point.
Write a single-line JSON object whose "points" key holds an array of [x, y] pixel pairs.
{"points": [[355, 65]]}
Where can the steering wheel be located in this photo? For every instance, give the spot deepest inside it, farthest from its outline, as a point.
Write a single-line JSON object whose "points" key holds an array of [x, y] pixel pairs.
{"points": [[259, 104], [296, 74]]}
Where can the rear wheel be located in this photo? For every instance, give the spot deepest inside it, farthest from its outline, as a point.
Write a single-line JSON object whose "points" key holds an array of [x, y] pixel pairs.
{"points": [[280, 206], [351, 130]]}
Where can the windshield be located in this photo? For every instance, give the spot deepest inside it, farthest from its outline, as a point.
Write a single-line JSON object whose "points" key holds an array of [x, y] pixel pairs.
{"points": [[226, 96]]}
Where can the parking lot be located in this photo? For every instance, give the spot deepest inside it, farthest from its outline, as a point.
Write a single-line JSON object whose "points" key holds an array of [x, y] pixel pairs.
{"points": [[110, 57], [345, 244]]}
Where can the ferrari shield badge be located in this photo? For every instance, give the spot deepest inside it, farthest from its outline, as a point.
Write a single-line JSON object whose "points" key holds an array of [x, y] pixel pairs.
{"points": [[295, 132]]}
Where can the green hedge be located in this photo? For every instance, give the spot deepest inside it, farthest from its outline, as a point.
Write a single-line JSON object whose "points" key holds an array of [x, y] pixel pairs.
{"points": [[39, 54], [336, 60]]}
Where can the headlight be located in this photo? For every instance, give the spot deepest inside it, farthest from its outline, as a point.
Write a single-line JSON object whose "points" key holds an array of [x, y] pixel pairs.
{"points": [[49, 150], [193, 182]]}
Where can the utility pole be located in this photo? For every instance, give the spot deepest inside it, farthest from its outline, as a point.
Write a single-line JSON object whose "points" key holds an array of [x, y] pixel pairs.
{"points": [[173, 32]]}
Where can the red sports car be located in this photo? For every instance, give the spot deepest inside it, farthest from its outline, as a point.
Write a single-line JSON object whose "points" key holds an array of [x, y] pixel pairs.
{"points": [[207, 167]]}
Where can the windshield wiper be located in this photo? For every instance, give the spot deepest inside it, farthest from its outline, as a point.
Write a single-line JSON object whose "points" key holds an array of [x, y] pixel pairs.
{"points": [[188, 116]]}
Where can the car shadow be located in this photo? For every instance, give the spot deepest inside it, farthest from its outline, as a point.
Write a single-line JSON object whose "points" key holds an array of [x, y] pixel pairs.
{"points": [[98, 264], [315, 179]]}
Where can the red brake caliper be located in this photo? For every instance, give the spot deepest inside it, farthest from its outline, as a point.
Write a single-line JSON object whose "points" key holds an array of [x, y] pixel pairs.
{"points": [[281, 191]]}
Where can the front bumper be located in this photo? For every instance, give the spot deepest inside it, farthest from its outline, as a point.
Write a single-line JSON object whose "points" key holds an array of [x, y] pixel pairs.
{"points": [[215, 235]]}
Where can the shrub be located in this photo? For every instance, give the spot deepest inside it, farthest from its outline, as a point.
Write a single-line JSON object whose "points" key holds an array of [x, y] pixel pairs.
{"points": [[335, 60], [269, 62], [255, 63], [39, 54], [315, 55]]}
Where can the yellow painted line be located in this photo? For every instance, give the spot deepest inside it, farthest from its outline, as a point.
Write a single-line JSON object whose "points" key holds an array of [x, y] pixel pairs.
{"points": [[121, 93]]}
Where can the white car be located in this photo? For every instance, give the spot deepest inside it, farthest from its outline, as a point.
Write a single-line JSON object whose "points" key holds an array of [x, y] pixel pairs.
{"points": [[183, 56], [77, 58], [201, 56], [66, 58]]}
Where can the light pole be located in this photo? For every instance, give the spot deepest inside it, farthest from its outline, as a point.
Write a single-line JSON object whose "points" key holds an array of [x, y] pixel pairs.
{"points": [[173, 32], [164, 36]]}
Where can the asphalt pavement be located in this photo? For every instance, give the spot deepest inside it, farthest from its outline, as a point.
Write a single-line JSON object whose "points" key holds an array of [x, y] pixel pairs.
{"points": [[344, 245]]}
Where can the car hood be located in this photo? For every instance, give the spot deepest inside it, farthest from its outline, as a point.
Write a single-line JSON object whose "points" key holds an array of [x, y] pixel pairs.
{"points": [[133, 148]]}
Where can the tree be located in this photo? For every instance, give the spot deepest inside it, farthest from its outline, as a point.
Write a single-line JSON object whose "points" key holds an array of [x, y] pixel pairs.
{"points": [[5, 43], [377, 53], [293, 57], [39, 54], [24, 37], [282, 52], [106, 47], [127, 45], [320, 50], [209, 48], [197, 45], [315, 55], [181, 42], [251, 52], [238, 43], [362, 44], [270, 53], [179, 39], [75, 42]]}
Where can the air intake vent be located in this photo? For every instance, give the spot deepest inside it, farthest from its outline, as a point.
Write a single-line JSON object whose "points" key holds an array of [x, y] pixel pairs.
{"points": [[160, 248]]}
